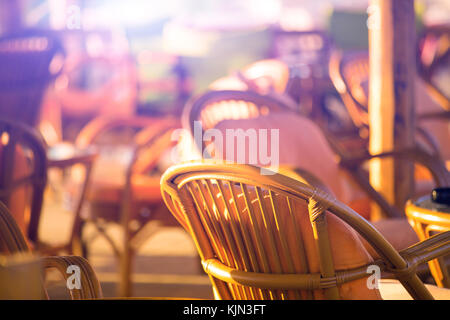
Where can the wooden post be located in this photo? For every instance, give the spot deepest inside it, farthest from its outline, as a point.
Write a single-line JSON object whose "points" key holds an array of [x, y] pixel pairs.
{"points": [[391, 97]]}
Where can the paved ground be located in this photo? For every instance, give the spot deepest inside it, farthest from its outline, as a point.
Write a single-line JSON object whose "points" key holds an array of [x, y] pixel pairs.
{"points": [[166, 266]]}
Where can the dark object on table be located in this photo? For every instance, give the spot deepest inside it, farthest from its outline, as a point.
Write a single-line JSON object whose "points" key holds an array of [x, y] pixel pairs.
{"points": [[441, 195]]}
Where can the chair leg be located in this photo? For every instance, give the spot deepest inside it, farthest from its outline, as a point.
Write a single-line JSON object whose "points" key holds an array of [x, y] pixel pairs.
{"points": [[439, 271], [78, 246], [79, 222], [416, 288], [126, 266]]}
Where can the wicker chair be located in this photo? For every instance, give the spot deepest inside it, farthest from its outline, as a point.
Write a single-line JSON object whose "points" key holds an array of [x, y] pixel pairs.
{"points": [[29, 62], [426, 223], [214, 107], [125, 182], [350, 75], [263, 76], [23, 169], [266, 77], [23, 178], [273, 237], [307, 54], [12, 242]]}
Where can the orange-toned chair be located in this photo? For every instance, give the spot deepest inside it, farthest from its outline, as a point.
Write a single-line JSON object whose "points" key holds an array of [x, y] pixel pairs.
{"points": [[428, 221], [23, 175], [350, 75], [273, 237], [125, 181], [23, 178]]}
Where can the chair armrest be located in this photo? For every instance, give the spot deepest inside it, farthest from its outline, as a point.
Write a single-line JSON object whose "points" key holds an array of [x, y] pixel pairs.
{"points": [[102, 124], [90, 286], [429, 249], [434, 115]]}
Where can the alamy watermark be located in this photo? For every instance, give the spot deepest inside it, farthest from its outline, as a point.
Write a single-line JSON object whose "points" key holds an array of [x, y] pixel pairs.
{"points": [[259, 147], [374, 279], [74, 280], [73, 14]]}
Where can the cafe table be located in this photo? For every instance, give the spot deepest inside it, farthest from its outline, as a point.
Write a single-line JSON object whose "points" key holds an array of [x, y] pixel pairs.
{"points": [[428, 217]]}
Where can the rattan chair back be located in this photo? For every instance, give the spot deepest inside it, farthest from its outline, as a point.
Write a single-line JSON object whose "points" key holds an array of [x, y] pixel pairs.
{"points": [[23, 164], [255, 241], [350, 76], [212, 107]]}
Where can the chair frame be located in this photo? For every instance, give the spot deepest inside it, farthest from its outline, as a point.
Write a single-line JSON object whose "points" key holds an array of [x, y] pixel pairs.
{"points": [[21, 134], [178, 194], [425, 222]]}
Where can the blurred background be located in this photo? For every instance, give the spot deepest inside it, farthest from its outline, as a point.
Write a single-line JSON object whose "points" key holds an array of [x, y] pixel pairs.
{"points": [[147, 58], [178, 47]]}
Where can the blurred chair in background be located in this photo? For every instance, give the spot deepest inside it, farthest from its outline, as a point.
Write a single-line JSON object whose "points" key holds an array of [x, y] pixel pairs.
{"points": [[23, 179], [266, 77], [125, 189], [350, 75], [99, 77], [263, 77], [23, 175], [306, 53]]}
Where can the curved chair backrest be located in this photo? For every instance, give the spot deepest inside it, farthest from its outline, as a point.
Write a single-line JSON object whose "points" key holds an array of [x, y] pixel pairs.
{"points": [[23, 164], [273, 237], [350, 76], [28, 62], [213, 107]]}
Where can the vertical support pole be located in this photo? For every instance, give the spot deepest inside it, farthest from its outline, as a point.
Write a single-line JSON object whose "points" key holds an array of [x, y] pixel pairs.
{"points": [[391, 97]]}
